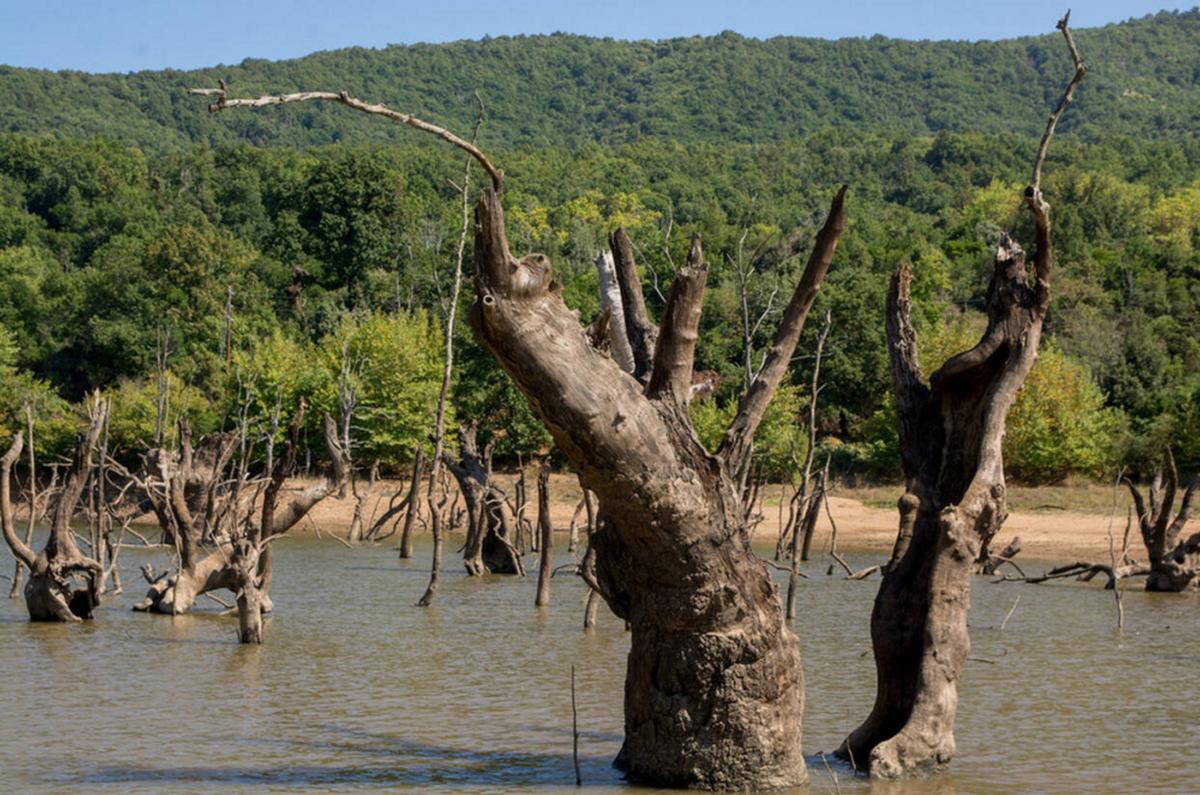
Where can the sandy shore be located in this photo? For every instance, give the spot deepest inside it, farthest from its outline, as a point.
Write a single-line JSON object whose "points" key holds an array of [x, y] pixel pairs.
{"points": [[1051, 534]]}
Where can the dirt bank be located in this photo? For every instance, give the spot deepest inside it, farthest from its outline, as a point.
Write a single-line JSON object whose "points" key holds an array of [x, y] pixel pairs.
{"points": [[1056, 524]]}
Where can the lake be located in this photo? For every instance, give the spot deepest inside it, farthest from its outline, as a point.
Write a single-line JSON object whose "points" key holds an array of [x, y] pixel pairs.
{"points": [[356, 689]]}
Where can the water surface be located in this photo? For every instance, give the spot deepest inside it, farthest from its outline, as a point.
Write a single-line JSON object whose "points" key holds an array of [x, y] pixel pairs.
{"points": [[358, 690]]}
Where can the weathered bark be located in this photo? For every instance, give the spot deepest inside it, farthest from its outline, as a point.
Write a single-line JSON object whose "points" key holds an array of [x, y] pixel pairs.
{"points": [[1174, 563], [950, 437], [640, 332], [546, 530], [196, 503], [714, 689], [610, 302], [52, 592], [951, 431], [489, 547]]}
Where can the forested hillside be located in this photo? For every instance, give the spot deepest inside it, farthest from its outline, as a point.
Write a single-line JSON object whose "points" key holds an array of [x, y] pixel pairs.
{"points": [[128, 215], [565, 90]]}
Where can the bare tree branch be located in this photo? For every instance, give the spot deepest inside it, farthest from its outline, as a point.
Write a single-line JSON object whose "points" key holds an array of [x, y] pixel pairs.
{"points": [[224, 101]]}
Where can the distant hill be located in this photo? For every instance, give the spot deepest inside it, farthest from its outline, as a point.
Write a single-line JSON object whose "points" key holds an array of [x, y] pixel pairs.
{"points": [[567, 90]]}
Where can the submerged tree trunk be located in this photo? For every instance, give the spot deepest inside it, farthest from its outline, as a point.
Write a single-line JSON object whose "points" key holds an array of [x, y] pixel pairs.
{"points": [[191, 499], [714, 688], [489, 547], [951, 432], [1174, 563], [52, 592], [414, 504]]}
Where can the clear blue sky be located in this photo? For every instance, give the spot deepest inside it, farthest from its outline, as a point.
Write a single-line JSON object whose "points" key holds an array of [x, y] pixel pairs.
{"points": [[126, 35]]}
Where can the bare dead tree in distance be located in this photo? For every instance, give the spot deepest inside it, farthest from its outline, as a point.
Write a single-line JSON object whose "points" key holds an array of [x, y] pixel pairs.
{"points": [[51, 591], [951, 430]]}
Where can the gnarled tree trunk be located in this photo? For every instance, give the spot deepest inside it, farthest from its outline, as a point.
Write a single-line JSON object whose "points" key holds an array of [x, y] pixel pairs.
{"points": [[192, 500], [714, 688], [950, 438], [51, 591], [951, 432], [1174, 562]]}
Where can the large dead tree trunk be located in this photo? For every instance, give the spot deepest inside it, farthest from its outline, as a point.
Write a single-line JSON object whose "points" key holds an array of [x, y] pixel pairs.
{"points": [[714, 688], [52, 591], [951, 432]]}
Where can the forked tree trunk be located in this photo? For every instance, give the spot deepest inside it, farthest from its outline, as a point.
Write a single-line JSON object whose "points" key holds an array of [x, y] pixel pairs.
{"points": [[951, 433], [714, 688], [950, 437], [192, 504], [52, 592], [1174, 563]]}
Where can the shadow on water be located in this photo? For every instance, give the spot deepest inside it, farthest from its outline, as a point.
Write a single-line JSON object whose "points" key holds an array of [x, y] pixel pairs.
{"points": [[384, 760]]}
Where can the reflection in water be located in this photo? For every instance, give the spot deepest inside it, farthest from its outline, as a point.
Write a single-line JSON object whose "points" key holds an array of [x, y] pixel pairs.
{"points": [[356, 689]]}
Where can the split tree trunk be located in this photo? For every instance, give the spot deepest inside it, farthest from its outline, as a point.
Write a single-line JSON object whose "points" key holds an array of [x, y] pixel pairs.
{"points": [[950, 437], [714, 688]]}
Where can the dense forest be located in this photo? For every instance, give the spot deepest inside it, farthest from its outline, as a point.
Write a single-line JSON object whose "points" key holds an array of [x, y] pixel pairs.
{"points": [[565, 90], [129, 217]]}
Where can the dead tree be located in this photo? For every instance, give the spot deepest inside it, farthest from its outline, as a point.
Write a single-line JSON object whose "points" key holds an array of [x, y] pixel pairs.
{"points": [[201, 505], [54, 591], [546, 531], [951, 430], [1174, 563], [489, 546], [714, 688], [672, 552]]}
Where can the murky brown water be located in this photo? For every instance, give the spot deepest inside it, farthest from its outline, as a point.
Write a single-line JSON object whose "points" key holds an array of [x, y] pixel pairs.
{"points": [[356, 689]]}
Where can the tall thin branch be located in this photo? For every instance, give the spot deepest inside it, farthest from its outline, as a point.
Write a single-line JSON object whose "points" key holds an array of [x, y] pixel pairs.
{"points": [[1081, 69], [735, 447]]}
